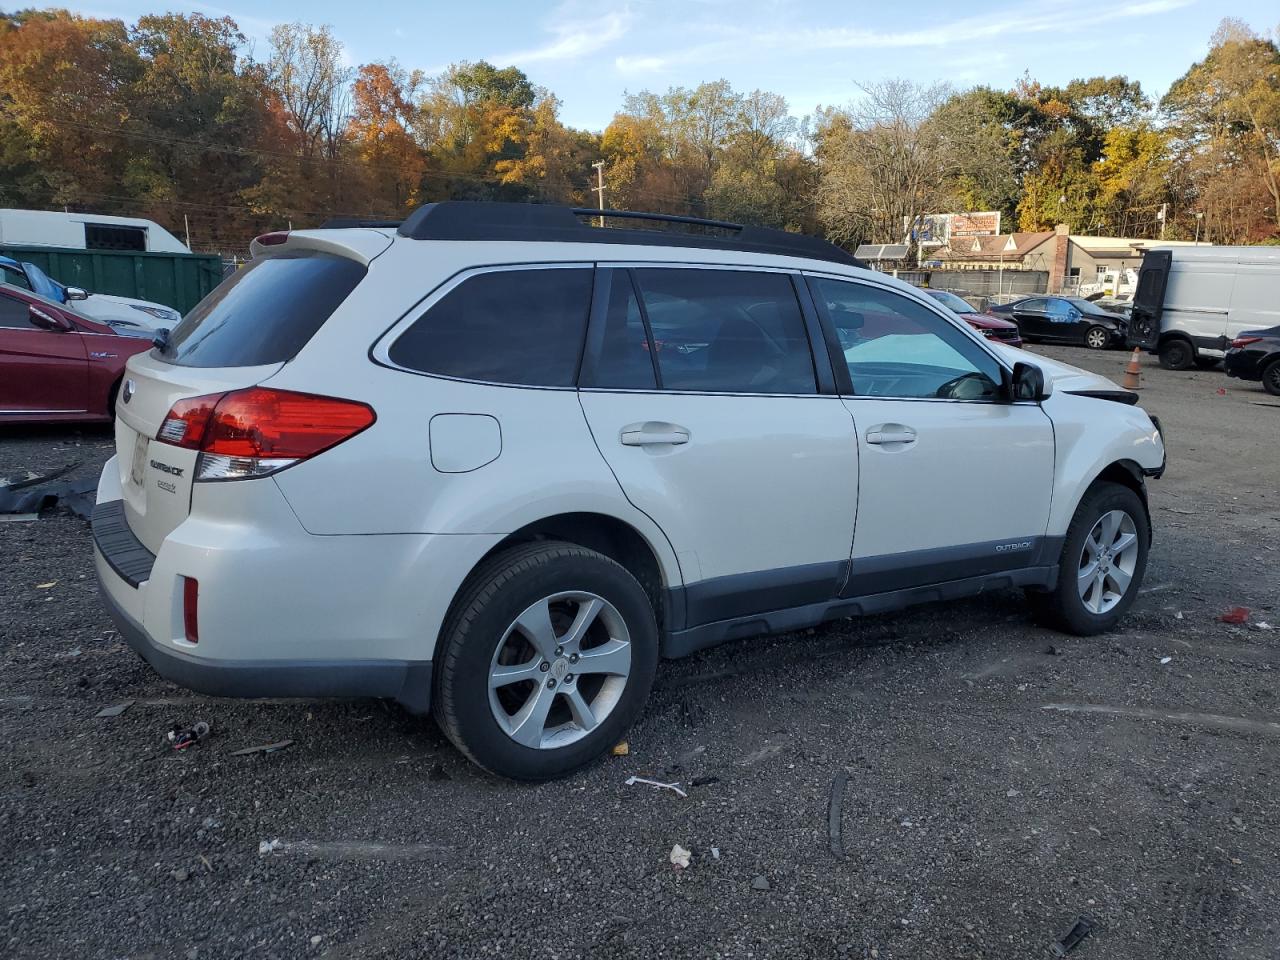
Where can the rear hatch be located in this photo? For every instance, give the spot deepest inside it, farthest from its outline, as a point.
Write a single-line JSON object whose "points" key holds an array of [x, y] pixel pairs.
{"points": [[237, 337]]}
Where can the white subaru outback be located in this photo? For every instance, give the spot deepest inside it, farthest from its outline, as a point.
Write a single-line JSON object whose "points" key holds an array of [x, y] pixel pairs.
{"points": [[495, 462]]}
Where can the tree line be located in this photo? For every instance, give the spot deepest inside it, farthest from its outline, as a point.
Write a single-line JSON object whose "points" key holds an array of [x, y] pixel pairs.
{"points": [[175, 118]]}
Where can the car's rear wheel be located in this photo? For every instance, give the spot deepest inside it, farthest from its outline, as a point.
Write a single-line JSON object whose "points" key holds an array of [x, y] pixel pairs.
{"points": [[1271, 378], [1097, 338], [1177, 354], [1102, 564], [545, 660]]}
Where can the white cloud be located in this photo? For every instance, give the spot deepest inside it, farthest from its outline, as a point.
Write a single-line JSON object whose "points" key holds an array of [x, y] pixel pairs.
{"points": [[723, 43], [640, 64], [573, 36]]}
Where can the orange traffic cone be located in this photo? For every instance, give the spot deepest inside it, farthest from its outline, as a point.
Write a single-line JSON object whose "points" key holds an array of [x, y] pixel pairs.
{"points": [[1133, 372]]}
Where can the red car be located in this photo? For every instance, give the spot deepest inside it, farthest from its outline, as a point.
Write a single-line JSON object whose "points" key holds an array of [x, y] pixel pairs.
{"points": [[1002, 331], [56, 364]]}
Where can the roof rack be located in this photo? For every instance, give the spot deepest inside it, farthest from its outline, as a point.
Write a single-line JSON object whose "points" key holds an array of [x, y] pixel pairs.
{"points": [[490, 220], [342, 223]]}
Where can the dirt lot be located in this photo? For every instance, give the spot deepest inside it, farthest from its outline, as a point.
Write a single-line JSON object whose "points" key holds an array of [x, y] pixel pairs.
{"points": [[1002, 780]]}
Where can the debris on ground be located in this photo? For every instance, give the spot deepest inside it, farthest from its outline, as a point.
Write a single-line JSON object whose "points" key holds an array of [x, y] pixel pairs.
{"points": [[704, 781], [23, 497], [182, 737], [115, 711], [673, 787], [181, 874], [1165, 660], [1235, 615], [1262, 625], [621, 749], [263, 748], [760, 882], [1071, 939], [715, 853], [680, 857], [268, 846], [835, 817]]}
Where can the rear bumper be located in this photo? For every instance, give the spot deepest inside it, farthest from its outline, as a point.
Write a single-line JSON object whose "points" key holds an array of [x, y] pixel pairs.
{"points": [[1243, 364], [406, 681]]}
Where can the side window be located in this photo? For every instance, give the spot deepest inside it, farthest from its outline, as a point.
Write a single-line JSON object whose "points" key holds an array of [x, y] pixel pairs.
{"points": [[727, 331], [625, 361], [1031, 306], [895, 347], [102, 236], [1060, 311], [13, 313], [14, 277], [521, 327]]}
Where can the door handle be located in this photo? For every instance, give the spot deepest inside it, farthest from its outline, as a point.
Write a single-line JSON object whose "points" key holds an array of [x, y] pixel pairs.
{"points": [[651, 433], [891, 433]]}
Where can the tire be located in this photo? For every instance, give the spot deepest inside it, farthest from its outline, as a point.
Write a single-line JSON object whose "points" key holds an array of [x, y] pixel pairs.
{"points": [[1177, 354], [1271, 378], [1097, 338], [1069, 608], [112, 394], [486, 634]]}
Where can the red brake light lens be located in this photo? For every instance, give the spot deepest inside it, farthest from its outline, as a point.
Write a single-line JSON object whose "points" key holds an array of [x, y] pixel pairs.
{"points": [[190, 616], [1240, 342], [258, 431]]}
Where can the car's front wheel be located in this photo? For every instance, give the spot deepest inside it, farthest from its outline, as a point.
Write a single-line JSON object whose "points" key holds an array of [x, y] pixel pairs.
{"points": [[545, 660], [1102, 564]]}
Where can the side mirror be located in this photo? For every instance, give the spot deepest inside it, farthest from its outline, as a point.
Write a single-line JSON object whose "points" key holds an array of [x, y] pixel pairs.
{"points": [[45, 320], [77, 293], [1027, 383]]}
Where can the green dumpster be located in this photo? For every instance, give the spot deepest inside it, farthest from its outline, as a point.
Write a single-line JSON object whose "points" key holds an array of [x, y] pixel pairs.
{"points": [[178, 280]]}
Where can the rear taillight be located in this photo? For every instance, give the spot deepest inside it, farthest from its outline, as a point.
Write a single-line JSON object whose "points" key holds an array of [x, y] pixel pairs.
{"points": [[1240, 342], [272, 239], [258, 431]]}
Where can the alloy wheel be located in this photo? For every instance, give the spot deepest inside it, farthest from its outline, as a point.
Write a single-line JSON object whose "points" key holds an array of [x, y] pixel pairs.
{"points": [[559, 670], [1096, 338], [1107, 561]]}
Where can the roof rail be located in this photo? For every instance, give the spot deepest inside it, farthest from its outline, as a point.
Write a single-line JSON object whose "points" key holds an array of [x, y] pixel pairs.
{"points": [[340, 223], [491, 220]]}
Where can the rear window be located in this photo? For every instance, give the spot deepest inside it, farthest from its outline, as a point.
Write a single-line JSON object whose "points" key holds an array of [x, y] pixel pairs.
{"points": [[264, 313], [100, 236], [522, 327]]}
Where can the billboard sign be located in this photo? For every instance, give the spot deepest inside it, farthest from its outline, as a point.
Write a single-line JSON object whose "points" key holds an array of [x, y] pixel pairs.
{"points": [[937, 229]]}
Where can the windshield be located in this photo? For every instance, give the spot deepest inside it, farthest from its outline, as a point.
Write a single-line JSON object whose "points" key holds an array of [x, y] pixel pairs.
{"points": [[44, 284], [951, 301], [1086, 306]]}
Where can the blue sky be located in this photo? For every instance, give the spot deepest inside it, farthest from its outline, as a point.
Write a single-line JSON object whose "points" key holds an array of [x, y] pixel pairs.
{"points": [[812, 51]]}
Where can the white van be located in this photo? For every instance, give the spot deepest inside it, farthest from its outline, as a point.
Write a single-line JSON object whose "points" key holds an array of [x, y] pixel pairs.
{"points": [[86, 231], [1192, 301]]}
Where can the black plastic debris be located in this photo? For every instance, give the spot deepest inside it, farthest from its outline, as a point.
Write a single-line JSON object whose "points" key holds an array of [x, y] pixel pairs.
{"points": [[1071, 939], [835, 817], [263, 748], [114, 711], [30, 494]]}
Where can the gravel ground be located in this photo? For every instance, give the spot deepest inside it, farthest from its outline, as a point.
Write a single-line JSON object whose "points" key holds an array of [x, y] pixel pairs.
{"points": [[1002, 780]]}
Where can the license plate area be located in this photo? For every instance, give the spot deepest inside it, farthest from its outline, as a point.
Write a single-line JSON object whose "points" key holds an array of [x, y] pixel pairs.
{"points": [[138, 471]]}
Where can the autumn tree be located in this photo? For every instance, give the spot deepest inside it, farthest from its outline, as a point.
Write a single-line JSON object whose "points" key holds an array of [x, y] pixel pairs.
{"points": [[381, 131], [1225, 113]]}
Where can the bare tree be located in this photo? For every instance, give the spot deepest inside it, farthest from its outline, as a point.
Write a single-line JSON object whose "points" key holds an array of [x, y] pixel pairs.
{"points": [[884, 162], [308, 74]]}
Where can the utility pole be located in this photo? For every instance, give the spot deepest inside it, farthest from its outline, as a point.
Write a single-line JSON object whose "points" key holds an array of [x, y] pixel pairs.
{"points": [[1164, 211], [599, 187]]}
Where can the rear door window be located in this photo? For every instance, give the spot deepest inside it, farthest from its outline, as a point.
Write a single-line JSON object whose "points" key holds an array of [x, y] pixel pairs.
{"points": [[523, 327], [727, 331], [264, 313], [14, 313]]}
